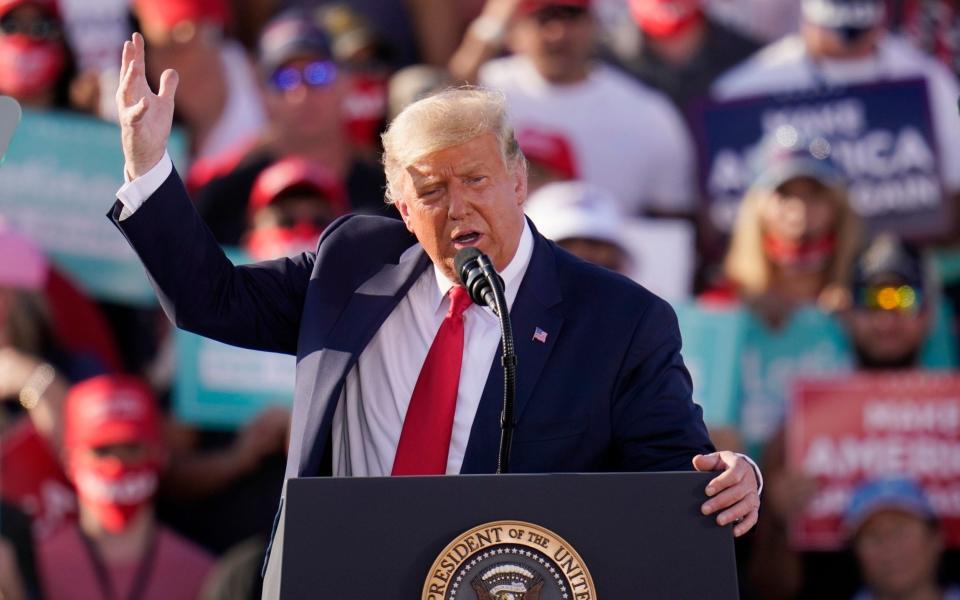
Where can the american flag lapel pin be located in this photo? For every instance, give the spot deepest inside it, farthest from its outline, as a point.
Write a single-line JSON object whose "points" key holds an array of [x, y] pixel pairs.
{"points": [[540, 335]]}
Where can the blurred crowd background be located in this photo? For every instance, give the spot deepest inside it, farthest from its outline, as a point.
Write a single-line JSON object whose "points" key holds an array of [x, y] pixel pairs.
{"points": [[785, 172]]}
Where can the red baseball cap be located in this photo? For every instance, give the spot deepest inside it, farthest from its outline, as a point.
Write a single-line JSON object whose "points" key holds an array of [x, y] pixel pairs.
{"points": [[295, 172], [550, 150], [531, 6], [169, 13], [110, 409]]}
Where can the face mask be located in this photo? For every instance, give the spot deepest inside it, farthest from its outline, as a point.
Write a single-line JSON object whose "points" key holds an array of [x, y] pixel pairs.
{"points": [[28, 66], [115, 492], [274, 242], [807, 255], [665, 18]]}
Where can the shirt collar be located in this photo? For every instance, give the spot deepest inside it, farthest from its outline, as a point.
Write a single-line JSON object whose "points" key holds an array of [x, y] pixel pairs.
{"points": [[512, 275]]}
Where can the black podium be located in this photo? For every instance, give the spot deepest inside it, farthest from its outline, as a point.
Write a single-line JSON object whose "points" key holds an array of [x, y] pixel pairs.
{"points": [[572, 536]]}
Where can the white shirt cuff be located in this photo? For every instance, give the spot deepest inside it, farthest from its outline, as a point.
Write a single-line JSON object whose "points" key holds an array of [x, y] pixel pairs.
{"points": [[133, 194], [756, 471]]}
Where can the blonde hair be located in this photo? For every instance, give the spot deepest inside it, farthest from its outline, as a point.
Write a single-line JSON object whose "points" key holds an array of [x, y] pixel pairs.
{"points": [[746, 264], [446, 119]]}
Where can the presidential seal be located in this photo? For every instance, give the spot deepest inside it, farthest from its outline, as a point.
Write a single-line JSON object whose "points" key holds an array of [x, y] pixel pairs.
{"points": [[509, 560]]}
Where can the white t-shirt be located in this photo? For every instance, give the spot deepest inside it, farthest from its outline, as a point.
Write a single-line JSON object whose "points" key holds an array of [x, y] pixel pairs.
{"points": [[243, 116], [625, 137], [785, 66]]}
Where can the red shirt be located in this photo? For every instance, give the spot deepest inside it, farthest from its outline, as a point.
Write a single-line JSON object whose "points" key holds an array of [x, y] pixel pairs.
{"points": [[67, 571]]}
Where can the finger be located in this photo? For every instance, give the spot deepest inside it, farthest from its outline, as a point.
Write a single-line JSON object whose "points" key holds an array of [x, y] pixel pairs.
{"points": [[707, 462], [126, 57], [740, 510], [168, 84], [133, 85], [746, 524], [726, 498], [729, 478], [138, 46]]}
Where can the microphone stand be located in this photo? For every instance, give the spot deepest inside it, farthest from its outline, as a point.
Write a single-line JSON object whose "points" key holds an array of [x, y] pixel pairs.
{"points": [[509, 362]]}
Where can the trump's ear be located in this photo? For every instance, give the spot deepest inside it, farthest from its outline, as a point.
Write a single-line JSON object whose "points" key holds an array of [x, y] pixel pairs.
{"points": [[404, 209], [520, 181]]}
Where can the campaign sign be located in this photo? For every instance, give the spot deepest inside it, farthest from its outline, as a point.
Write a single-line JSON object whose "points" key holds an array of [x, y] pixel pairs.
{"points": [[60, 176], [222, 386], [880, 135], [848, 430]]}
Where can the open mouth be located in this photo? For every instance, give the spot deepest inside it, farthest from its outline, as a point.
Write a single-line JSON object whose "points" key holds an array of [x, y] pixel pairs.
{"points": [[466, 239]]}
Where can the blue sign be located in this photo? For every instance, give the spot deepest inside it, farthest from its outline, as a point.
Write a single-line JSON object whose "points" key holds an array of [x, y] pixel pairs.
{"points": [[60, 176], [881, 135]]}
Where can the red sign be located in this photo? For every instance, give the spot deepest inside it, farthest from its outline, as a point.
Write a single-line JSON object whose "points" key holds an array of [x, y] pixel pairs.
{"points": [[844, 431]]}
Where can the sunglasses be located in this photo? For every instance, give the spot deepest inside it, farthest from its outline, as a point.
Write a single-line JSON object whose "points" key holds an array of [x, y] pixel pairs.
{"points": [[887, 297], [315, 74], [46, 28]]}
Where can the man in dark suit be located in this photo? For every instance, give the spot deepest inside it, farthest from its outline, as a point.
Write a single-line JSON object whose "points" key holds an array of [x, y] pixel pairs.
{"points": [[397, 371]]}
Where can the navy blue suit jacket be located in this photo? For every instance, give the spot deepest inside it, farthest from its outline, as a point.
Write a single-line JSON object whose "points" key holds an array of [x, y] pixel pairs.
{"points": [[606, 391]]}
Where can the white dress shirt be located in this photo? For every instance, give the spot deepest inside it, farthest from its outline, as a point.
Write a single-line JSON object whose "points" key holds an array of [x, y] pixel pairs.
{"points": [[377, 391], [369, 416]]}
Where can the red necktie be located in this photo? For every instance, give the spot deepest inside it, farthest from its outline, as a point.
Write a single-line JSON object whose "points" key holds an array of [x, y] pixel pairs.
{"points": [[428, 425]]}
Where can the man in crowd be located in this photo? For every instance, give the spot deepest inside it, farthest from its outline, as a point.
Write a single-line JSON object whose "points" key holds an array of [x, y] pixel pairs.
{"points": [[382, 328], [292, 202], [114, 455], [894, 303], [623, 135], [304, 91], [895, 535]]}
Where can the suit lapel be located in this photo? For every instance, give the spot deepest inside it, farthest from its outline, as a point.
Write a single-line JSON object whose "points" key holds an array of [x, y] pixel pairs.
{"points": [[366, 310], [537, 306]]}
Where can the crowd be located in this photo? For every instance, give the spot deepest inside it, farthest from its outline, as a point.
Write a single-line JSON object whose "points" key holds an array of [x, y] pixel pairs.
{"points": [[829, 256]]}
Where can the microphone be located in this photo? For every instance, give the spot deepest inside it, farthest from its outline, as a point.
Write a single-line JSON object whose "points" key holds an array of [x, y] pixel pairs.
{"points": [[485, 287], [473, 268]]}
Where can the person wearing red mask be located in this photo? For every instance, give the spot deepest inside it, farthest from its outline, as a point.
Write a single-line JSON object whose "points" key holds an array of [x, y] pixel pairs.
{"points": [[795, 235], [36, 65], [679, 49], [114, 455], [291, 203]]}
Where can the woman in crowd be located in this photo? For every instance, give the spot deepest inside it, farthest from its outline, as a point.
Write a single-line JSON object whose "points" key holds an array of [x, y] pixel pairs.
{"points": [[795, 234], [789, 258]]}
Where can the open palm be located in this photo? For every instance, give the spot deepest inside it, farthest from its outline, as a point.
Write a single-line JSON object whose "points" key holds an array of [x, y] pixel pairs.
{"points": [[145, 117]]}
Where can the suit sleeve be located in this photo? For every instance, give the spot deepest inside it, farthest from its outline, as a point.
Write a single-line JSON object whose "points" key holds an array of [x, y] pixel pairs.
{"points": [[657, 426], [255, 306]]}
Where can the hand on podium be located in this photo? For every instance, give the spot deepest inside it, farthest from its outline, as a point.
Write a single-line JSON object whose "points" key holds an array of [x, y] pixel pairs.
{"points": [[145, 117], [734, 491]]}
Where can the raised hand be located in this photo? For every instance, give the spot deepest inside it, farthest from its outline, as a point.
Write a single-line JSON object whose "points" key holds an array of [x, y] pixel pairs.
{"points": [[145, 117]]}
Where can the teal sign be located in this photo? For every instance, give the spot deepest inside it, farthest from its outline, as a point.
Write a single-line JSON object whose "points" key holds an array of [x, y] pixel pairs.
{"points": [[60, 176]]}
